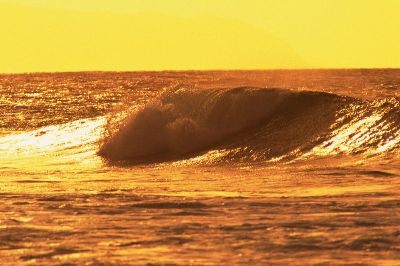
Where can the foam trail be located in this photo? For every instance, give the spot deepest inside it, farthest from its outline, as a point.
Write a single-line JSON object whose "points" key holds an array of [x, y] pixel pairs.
{"points": [[57, 146], [369, 128]]}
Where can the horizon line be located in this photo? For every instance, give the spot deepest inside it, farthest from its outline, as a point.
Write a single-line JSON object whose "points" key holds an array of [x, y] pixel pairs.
{"points": [[198, 70]]}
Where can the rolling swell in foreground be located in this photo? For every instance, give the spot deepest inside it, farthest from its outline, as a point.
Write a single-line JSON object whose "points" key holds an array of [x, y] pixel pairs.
{"points": [[248, 124]]}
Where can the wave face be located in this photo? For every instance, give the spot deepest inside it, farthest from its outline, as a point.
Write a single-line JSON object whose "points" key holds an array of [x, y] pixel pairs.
{"points": [[201, 124], [253, 124]]}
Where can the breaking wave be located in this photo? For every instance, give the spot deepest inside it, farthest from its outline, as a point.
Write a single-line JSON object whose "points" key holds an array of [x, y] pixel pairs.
{"points": [[252, 124]]}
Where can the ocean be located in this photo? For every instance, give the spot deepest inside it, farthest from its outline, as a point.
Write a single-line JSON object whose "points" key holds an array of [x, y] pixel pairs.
{"points": [[280, 167]]}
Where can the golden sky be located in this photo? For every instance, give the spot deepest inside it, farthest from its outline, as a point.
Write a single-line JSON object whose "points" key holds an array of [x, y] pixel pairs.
{"points": [[75, 35]]}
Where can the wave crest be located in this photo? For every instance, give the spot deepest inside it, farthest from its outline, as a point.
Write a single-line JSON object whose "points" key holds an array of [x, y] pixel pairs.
{"points": [[183, 122]]}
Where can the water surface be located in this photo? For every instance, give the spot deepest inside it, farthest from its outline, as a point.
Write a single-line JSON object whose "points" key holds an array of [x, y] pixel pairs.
{"points": [[201, 168]]}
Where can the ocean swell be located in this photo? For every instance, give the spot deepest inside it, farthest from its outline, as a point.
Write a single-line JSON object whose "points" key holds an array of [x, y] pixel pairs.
{"points": [[256, 123]]}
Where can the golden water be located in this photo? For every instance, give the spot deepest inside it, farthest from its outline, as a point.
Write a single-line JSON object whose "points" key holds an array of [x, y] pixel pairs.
{"points": [[333, 202]]}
